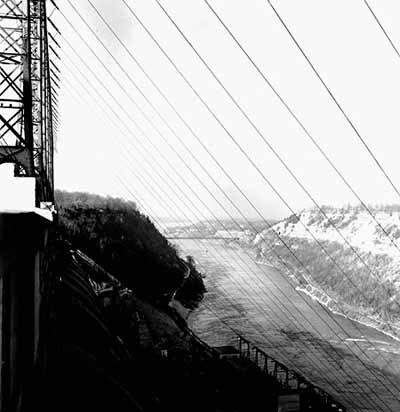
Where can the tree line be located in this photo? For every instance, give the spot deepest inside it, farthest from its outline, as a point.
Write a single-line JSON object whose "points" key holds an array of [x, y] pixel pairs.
{"points": [[127, 244]]}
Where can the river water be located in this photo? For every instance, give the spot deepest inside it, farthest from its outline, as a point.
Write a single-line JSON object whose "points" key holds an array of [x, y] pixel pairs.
{"points": [[358, 365]]}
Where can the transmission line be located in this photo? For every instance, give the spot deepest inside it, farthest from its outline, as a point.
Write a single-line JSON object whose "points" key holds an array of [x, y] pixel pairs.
{"points": [[278, 157], [249, 298], [254, 165], [147, 185], [334, 99], [382, 28], [179, 72], [300, 123], [109, 27], [266, 338]]}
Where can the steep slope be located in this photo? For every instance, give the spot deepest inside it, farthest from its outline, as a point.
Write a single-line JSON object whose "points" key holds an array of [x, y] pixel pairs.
{"points": [[355, 225], [128, 245], [351, 263]]}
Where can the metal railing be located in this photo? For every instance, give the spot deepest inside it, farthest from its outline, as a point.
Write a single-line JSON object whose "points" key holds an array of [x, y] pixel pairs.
{"points": [[288, 380]]}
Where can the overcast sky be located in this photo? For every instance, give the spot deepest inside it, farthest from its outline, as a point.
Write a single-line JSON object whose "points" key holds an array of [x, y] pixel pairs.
{"points": [[341, 38]]}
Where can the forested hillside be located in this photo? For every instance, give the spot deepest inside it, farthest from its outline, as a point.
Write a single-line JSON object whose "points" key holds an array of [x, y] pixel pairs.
{"points": [[127, 244], [350, 260]]}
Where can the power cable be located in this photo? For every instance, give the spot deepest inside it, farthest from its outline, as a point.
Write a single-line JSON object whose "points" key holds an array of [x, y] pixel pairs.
{"points": [[384, 31], [188, 83], [146, 185], [300, 123], [335, 100]]}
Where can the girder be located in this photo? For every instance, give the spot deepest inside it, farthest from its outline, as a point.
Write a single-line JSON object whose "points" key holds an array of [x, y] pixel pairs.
{"points": [[26, 118]]}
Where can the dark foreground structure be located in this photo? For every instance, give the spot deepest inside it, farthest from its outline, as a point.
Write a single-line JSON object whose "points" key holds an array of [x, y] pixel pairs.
{"points": [[79, 341]]}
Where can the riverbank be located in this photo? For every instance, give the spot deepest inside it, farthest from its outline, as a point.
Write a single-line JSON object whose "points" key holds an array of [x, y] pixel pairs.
{"points": [[339, 308]]}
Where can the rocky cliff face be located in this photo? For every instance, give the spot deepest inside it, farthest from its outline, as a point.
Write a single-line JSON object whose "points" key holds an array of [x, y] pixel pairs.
{"points": [[350, 259]]}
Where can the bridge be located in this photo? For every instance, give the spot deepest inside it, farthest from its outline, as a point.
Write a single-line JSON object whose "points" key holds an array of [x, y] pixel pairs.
{"points": [[201, 238], [38, 62]]}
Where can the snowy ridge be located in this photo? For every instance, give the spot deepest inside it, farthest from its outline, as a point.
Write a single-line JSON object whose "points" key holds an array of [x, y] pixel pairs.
{"points": [[356, 226], [365, 285]]}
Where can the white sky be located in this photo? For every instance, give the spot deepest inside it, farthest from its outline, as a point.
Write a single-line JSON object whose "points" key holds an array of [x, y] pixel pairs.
{"points": [[342, 40]]}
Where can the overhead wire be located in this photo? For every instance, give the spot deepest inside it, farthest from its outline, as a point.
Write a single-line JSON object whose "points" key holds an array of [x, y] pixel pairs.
{"points": [[307, 348], [306, 191], [335, 100], [384, 31], [180, 140], [146, 185], [182, 159], [124, 110], [300, 123], [274, 189], [216, 118], [197, 138], [276, 327], [262, 333]]}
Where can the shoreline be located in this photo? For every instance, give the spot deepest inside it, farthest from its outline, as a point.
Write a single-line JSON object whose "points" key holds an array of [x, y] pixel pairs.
{"points": [[361, 321], [325, 300]]}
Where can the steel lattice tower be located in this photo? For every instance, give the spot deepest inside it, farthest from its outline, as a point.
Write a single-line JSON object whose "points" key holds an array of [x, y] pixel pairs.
{"points": [[26, 113]]}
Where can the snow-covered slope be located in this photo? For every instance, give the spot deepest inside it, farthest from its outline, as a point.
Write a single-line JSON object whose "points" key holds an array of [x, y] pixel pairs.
{"points": [[378, 234], [343, 255]]}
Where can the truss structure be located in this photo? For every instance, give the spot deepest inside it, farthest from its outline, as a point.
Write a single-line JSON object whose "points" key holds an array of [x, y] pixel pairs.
{"points": [[27, 93]]}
